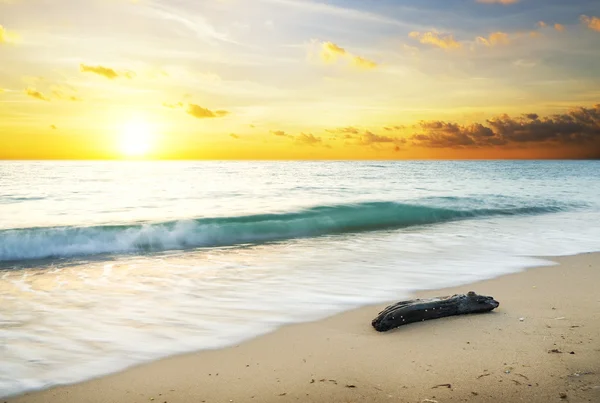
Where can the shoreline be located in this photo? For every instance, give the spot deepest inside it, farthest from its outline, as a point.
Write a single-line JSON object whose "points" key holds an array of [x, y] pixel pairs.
{"points": [[488, 357]]}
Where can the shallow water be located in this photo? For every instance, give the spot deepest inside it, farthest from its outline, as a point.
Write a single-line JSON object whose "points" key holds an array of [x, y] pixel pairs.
{"points": [[104, 264]]}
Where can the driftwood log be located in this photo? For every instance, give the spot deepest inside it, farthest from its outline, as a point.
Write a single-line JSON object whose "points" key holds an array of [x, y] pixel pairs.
{"points": [[419, 310]]}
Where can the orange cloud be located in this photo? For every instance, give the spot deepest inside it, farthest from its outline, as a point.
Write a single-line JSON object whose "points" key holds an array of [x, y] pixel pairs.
{"points": [[32, 92], [280, 133], [332, 53], [592, 23], [496, 38], [557, 26], [203, 113], [436, 39], [107, 72], [505, 2]]}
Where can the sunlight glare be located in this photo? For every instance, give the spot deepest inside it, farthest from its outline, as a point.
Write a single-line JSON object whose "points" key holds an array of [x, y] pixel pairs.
{"points": [[136, 138]]}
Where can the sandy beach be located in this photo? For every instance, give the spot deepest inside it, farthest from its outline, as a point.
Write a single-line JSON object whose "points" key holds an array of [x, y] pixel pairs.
{"points": [[541, 345]]}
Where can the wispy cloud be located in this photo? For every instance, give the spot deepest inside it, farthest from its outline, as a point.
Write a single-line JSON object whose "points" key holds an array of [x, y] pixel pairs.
{"points": [[505, 2], [337, 11], [193, 22]]}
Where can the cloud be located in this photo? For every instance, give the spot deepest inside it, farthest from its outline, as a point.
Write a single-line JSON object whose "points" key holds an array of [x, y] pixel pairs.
{"points": [[349, 129], [308, 139], [354, 136], [7, 36], [3, 35], [394, 128], [203, 113], [436, 39], [332, 53], [59, 94], [336, 11], [32, 92], [53, 127], [580, 126], [559, 27], [107, 72], [280, 133], [173, 106], [438, 134], [363, 63], [233, 135], [496, 38], [505, 2], [369, 138], [592, 23]]}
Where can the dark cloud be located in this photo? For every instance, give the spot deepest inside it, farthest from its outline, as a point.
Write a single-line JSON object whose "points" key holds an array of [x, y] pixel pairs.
{"points": [[580, 126], [233, 135], [203, 113], [53, 127]]}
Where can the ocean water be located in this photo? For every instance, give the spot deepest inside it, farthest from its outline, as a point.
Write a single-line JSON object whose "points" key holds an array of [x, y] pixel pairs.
{"points": [[104, 265]]}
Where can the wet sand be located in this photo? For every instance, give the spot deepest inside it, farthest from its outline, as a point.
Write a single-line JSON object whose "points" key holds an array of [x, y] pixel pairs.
{"points": [[541, 345]]}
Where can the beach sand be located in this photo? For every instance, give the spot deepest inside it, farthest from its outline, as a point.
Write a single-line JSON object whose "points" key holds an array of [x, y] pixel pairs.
{"points": [[495, 357]]}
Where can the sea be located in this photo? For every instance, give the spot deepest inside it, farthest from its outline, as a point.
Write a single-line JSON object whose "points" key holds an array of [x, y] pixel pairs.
{"points": [[106, 265]]}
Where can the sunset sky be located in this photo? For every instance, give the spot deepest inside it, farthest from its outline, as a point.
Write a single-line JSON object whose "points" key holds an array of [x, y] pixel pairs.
{"points": [[299, 79]]}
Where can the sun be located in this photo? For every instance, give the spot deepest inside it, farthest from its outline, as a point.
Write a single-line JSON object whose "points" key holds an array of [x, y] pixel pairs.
{"points": [[136, 138]]}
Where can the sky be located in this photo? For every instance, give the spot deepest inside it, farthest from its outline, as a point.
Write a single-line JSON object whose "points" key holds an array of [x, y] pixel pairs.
{"points": [[299, 79]]}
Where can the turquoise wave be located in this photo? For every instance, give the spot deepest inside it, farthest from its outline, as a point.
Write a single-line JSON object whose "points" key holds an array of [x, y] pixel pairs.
{"points": [[38, 243]]}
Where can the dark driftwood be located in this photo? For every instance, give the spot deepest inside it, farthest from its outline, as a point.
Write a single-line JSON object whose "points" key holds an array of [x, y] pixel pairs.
{"points": [[418, 310]]}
